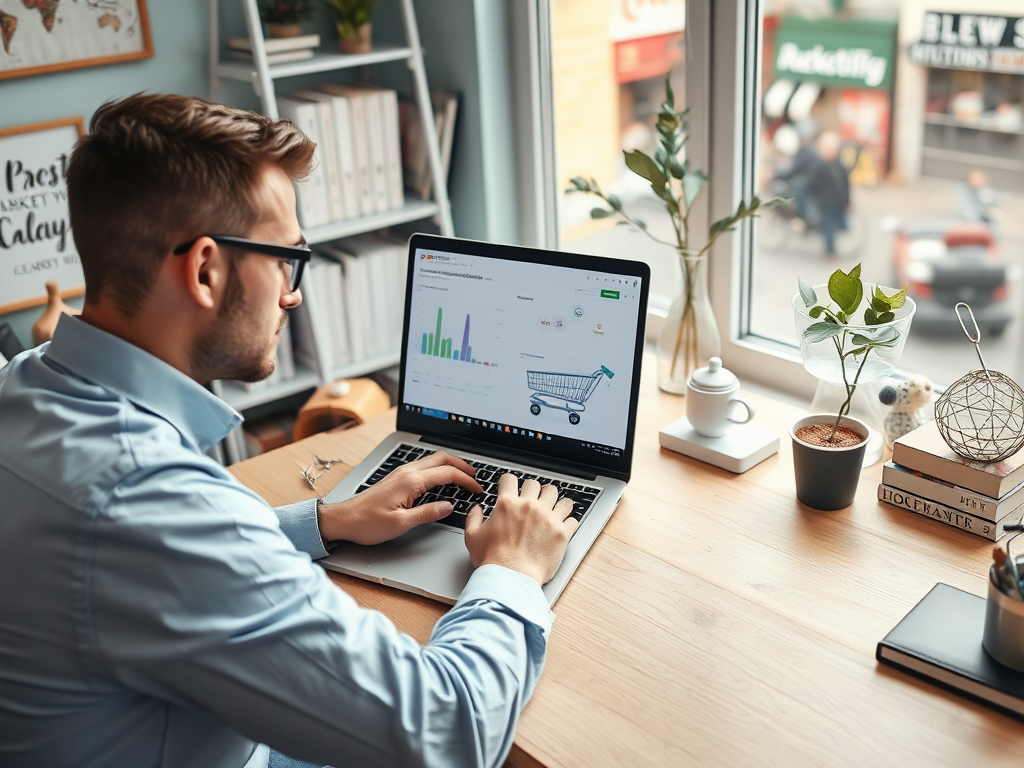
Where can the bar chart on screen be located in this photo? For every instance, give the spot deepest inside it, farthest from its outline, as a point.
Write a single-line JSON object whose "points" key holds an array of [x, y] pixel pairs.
{"points": [[487, 325]]}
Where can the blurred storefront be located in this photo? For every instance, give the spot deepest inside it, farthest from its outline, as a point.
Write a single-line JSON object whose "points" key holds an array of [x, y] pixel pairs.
{"points": [[837, 74], [609, 61], [961, 90]]}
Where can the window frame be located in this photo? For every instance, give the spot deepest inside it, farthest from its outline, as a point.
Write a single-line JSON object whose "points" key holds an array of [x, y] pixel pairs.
{"points": [[732, 89]]}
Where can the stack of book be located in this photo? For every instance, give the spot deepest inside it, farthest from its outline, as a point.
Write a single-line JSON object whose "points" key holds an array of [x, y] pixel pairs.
{"points": [[926, 477], [358, 167], [280, 50], [415, 163], [356, 293]]}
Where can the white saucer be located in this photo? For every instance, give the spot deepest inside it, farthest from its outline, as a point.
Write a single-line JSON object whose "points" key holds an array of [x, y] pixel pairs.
{"points": [[740, 448]]}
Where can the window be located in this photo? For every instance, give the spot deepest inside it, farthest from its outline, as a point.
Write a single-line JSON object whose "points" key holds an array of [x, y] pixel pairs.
{"points": [[609, 60], [930, 147]]}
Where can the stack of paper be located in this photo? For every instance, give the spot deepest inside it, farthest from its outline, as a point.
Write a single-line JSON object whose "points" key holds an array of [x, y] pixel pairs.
{"points": [[280, 50]]}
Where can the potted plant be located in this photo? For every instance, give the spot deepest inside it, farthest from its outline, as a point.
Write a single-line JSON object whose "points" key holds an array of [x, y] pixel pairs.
{"points": [[353, 23], [853, 337], [283, 17], [690, 335]]}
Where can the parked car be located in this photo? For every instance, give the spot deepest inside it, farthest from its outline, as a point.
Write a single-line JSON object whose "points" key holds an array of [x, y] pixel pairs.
{"points": [[945, 262]]}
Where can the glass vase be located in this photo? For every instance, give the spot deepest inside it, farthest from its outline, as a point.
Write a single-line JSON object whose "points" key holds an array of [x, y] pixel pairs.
{"points": [[690, 335]]}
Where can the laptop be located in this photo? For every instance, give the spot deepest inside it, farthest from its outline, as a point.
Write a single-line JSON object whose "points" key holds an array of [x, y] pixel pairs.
{"points": [[518, 360]]}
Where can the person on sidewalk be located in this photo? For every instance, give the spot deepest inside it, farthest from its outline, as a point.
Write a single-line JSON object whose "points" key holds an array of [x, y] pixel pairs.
{"points": [[158, 613], [829, 187]]}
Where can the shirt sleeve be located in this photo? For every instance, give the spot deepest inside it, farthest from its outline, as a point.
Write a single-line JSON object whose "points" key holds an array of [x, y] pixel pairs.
{"points": [[198, 598], [299, 523]]}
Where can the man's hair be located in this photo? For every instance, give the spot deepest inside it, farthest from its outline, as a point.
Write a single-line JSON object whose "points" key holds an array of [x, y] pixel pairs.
{"points": [[157, 170]]}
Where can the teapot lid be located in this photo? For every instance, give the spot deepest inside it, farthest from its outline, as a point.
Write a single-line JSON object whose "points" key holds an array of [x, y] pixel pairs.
{"points": [[714, 377]]}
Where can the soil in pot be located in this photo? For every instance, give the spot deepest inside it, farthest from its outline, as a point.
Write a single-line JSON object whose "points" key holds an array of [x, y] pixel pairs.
{"points": [[818, 434]]}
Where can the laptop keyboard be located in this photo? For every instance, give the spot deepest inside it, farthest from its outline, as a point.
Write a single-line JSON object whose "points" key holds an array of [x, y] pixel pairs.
{"points": [[463, 500]]}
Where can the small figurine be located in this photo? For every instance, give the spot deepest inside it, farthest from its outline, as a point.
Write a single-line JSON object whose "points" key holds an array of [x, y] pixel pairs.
{"points": [[911, 401]]}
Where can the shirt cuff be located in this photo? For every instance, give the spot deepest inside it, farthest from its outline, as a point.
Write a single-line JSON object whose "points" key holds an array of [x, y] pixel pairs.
{"points": [[298, 522], [516, 591]]}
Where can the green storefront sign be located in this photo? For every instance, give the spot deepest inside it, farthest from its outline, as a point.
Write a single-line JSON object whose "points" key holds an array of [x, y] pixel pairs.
{"points": [[857, 53]]}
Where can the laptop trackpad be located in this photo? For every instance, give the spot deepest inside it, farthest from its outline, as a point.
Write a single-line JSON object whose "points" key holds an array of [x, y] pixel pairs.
{"points": [[429, 559]]}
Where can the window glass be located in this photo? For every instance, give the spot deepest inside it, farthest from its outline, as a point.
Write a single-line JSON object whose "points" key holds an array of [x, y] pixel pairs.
{"points": [[898, 134], [609, 59]]}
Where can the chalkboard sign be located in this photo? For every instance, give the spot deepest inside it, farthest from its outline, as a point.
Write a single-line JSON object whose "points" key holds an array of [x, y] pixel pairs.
{"points": [[35, 229]]}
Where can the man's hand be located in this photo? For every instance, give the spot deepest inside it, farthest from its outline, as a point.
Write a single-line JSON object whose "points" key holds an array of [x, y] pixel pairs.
{"points": [[383, 511], [527, 531]]}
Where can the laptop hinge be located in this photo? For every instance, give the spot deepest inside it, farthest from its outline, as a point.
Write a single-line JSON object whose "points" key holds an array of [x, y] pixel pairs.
{"points": [[519, 457]]}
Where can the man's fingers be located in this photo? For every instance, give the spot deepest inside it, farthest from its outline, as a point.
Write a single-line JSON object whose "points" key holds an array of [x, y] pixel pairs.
{"points": [[571, 524], [429, 513], [549, 494], [563, 508], [474, 520], [530, 490], [508, 485], [443, 475], [440, 458]]}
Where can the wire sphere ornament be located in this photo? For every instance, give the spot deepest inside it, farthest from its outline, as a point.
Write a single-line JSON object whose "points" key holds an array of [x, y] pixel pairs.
{"points": [[981, 416]]}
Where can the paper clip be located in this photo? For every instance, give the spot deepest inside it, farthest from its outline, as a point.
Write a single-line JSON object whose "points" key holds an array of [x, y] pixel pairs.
{"points": [[324, 464]]}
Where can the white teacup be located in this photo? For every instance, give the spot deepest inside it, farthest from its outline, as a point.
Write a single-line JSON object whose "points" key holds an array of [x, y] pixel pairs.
{"points": [[710, 403]]}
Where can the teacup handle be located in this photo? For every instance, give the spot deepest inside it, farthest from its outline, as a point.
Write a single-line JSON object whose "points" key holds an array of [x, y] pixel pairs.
{"points": [[749, 406]]}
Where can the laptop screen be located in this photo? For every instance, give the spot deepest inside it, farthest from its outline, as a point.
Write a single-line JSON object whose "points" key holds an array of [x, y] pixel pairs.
{"points": [[527, 349]]}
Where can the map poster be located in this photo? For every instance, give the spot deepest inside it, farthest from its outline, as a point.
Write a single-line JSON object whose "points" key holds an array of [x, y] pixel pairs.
{"points": [[35, 229], [48, 35]]}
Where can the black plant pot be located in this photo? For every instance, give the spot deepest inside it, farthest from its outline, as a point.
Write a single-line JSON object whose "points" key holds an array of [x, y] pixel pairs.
{"points": [[826, 478]]}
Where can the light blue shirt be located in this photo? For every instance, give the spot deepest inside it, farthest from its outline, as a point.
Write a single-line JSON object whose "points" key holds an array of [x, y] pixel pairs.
{"points": [[155, 612]]}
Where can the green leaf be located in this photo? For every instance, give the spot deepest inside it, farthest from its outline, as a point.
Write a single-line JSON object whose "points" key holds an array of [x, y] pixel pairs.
{"points": [[886, 317], [895, 301], [880, 304], [693, 183], [816, 332], [670, 97], [807, 294], [614, 202], [870, 316], [644, 167], [675, 169], [880, 337], [816, 312], [846, 290], [856, 351], [600, 213], [580, 184]]}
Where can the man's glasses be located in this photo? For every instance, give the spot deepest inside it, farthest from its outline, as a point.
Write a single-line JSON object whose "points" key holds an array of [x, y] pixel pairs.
{"points": [[296, 255]]}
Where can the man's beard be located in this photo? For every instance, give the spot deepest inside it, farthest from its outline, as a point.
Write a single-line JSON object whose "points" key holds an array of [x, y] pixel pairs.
{"points": [[230, 348]]}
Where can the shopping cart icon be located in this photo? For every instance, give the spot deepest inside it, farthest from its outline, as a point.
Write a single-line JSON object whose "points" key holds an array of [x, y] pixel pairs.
{"points": [[565, 391]]}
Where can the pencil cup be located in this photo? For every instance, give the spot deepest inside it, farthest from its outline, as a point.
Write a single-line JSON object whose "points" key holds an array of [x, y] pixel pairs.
{"points": [[1004, 628]]}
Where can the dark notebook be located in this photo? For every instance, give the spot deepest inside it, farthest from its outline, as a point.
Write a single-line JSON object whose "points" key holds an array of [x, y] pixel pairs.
{"points": [[940, 641]]}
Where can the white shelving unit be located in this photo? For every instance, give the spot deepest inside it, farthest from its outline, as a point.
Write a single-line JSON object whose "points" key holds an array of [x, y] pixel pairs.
{"points": [[262, 77]]}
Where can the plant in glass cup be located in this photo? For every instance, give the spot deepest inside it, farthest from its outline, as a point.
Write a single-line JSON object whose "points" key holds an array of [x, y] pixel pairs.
{"points": [[846, 291], [691, 336]]}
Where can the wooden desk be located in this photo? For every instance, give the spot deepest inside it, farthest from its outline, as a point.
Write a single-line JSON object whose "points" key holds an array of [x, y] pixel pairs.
{"points": [[718, 622]]}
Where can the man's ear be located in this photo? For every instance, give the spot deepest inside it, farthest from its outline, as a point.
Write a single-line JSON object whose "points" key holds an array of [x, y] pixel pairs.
{"points": [[205, 272]]}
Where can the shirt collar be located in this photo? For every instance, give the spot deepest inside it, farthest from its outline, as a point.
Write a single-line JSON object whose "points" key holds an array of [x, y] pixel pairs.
{"points": [[148, 382]]}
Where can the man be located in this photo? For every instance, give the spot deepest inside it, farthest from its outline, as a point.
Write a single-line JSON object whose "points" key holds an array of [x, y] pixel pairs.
{"points": [[829, 188], [154, 611]]}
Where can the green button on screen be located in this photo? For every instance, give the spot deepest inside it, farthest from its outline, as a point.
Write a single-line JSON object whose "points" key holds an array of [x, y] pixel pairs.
{"points": [[606, 294]]}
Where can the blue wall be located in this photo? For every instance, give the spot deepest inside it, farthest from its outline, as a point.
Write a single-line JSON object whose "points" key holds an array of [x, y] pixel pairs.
{"points": [[448, 31]]}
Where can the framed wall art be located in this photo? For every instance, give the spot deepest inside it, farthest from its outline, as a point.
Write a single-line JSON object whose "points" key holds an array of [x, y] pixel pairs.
{"points": [[40, 36], [35, 229]]}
